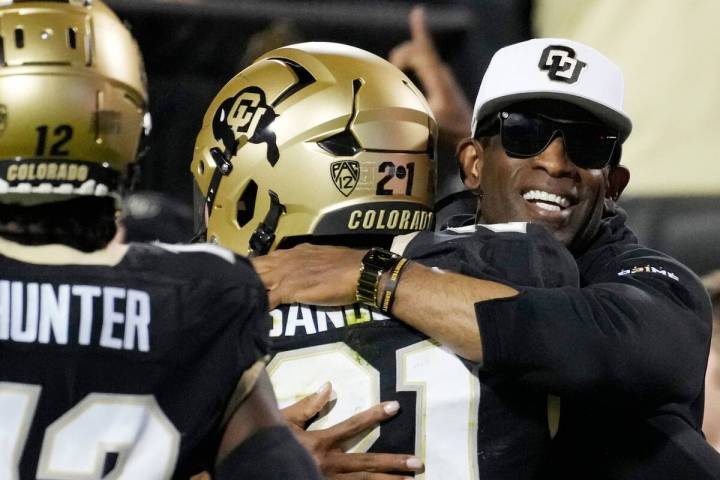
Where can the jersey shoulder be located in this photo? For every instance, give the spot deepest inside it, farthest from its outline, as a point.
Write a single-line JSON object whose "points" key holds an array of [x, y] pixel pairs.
{"points": [[205, 261], [519, 253], [213, 281]]}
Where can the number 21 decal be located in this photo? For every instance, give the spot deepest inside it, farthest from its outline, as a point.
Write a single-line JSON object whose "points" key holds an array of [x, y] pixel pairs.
{"points": [[404, 173]]}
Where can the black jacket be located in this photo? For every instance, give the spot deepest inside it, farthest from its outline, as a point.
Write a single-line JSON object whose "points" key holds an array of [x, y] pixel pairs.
{"points": [[626, 351]]}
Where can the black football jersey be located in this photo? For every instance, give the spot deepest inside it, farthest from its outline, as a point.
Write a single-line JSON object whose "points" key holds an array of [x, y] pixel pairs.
{"points": [[121, 361], [463, 423]]}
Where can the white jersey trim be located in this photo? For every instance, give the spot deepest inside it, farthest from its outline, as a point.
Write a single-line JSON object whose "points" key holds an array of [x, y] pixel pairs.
{"points": [[216, 250], [518, 227], [400, 242], [57, 254]]}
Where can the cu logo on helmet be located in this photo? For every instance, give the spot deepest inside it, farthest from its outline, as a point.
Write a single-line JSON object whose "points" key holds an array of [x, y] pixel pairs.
{"points": [[246, 112], [246, 115], [561, 64]]}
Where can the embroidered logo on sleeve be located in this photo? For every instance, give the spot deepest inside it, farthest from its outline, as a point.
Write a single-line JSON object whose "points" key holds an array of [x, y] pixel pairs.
{"points": [[648, 269]]}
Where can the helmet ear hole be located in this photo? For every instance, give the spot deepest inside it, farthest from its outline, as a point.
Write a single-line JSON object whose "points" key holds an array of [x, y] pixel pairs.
{"points": [[72, 38], [246, 204], [19, 38]]}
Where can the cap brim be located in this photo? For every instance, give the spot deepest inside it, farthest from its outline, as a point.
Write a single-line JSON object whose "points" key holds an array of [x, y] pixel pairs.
{"points": [[610, 116]]}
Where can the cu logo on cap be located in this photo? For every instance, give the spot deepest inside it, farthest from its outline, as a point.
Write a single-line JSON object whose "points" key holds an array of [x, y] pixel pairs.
{"points": [[561, 64]]}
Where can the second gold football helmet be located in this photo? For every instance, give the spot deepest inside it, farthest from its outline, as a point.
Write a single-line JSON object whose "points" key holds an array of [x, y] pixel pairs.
{"points": [[318, 139], [73, 100]]}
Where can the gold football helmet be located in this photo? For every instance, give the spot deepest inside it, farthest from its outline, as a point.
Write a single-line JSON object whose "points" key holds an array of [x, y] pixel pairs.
{"points": [[318, 139], [73, 100]]}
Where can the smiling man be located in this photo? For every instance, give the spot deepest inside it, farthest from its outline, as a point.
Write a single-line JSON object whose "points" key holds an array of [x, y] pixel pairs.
{"points": [[548, 162], [626, 349]]}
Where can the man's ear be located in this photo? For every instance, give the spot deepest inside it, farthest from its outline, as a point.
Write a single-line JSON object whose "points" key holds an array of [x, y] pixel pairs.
{"points": [[618, 178], [470, 155]]}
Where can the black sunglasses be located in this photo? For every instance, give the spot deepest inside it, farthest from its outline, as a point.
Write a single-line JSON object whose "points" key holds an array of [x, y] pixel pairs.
{"points": [[525, 135]]}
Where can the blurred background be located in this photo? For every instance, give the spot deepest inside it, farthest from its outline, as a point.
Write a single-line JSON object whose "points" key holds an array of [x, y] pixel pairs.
{"points": [[666, 49]]}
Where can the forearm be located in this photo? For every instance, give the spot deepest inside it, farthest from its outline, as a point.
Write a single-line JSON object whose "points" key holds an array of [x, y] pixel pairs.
{"points": [[438, 303], [442, 305], [609, 338]]}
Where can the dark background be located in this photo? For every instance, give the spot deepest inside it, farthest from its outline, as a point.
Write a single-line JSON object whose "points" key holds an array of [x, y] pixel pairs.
{"points": [[193, 47]]}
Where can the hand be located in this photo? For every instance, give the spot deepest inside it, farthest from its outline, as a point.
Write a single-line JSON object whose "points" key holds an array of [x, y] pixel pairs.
{"points": [[445, 97], [312, 274], [326, 445]]}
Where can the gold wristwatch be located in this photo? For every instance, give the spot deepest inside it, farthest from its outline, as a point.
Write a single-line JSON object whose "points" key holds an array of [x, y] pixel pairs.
{"points": [[375, 262]]}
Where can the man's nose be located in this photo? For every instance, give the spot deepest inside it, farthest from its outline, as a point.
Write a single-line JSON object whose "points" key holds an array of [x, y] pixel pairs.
{"points": [[555, 160]]}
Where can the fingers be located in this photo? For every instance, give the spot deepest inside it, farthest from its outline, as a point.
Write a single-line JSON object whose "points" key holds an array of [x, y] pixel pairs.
{"points": [[261, 264], [419, 31], [362, 421], [402, 55], [312, 274], [303, 410], [419, 53], [274, 299], [373, 463], [264, 267]]}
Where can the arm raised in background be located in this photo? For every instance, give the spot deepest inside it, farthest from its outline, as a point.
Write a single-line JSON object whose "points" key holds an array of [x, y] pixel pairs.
{"points": [[447, 101]]}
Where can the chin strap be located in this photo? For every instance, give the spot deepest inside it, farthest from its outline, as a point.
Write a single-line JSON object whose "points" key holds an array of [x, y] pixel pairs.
{"points": [[264, 235], [223, 168]]}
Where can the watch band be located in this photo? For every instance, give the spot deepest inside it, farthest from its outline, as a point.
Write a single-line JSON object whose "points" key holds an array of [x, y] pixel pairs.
{"points": [[375, 262], [387, 298]]}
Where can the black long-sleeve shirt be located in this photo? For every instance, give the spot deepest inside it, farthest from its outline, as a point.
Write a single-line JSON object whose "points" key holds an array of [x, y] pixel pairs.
{"points": [[626, 351]]}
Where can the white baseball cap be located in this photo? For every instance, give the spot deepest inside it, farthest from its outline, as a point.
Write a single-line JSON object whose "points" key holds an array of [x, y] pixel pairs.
{"points": [[554, 68]]}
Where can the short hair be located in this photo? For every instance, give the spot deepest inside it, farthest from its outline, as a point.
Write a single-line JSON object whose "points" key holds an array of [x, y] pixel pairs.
{"points": [[84, 223]]}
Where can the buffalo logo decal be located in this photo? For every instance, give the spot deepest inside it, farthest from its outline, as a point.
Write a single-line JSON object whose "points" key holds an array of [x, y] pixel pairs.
{"points": [[246, 117], [345, 175]]}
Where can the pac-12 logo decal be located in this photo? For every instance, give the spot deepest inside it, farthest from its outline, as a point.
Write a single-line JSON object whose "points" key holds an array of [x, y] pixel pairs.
{"points": [[345, 174], [561, 64], [248, 115]]}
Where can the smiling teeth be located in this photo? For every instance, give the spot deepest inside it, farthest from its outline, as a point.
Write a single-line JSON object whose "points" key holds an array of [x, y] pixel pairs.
{"points": [[556, 201], [547, 206]]}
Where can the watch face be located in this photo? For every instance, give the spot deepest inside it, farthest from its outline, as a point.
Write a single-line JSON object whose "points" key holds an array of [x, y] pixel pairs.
{"points": [[380, 258]]}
